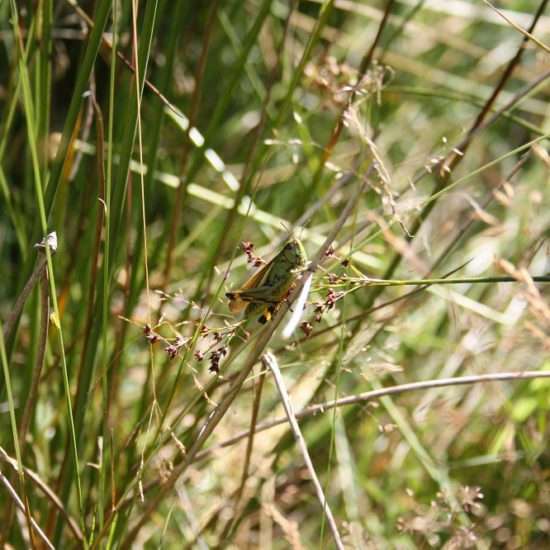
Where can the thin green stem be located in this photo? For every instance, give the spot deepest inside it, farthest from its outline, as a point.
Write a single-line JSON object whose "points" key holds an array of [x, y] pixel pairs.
{"points": [[367, 281], [31, 135]]}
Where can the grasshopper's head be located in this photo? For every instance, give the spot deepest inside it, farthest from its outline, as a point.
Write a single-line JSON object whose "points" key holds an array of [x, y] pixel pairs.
{"points": [[295, 254]]}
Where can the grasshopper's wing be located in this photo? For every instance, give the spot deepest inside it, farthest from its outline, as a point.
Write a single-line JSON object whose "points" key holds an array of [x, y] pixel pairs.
{"points": [[236, 304], [267, 294], [238, 299]]}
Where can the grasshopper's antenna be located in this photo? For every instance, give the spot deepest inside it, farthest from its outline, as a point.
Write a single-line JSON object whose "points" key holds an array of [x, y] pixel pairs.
{"points": [[288, 230]]}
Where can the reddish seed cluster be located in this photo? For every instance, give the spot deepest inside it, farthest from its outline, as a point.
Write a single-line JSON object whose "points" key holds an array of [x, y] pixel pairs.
{"points": [[150, 334], [248, 247], [306, 328], [180, 340], [215, 358], [217, 354], [318, 311], [329, 302], [331, 298], [171, 350], [330, 253]]}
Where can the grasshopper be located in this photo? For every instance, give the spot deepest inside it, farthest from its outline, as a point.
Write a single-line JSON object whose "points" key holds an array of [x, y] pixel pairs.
{"points": [[264, 291]]}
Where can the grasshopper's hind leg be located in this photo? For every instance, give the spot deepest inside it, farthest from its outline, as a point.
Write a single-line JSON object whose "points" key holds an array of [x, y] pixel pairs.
{"points": [[255, 308], [268, 313]]}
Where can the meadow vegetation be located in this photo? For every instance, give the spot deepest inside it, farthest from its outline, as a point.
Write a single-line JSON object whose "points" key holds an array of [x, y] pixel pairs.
{"points": [[168, 149]]}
